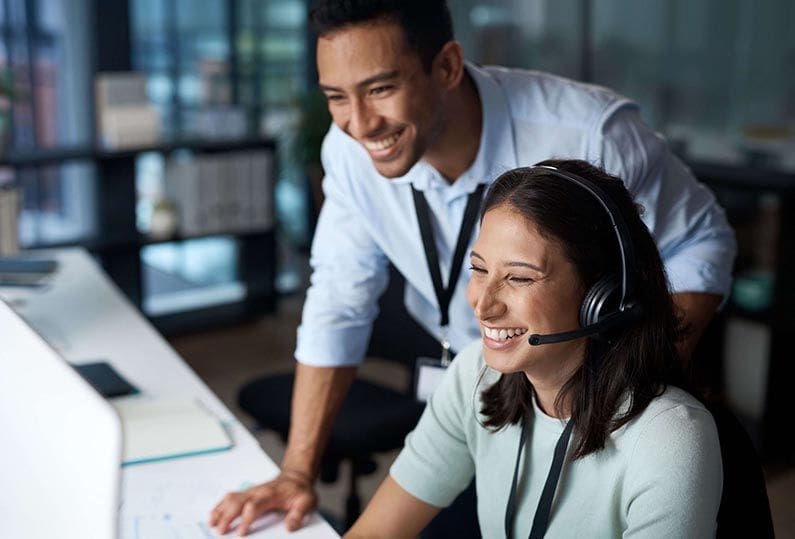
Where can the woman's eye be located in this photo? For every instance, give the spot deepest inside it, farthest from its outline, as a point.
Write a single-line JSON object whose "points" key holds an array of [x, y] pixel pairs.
{"points": [[521, 280], [476, 269]]}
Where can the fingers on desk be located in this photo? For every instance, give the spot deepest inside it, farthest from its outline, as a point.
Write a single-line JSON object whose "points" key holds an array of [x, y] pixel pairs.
{"points": [[248, 505], [299, 508], [227, 510]]}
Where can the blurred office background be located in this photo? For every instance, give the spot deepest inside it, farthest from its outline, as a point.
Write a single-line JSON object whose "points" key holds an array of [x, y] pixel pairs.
{"points": [[108, 108]]}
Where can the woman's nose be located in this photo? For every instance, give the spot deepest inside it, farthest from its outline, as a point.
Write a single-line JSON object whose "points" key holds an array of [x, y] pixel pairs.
{"points": [[488, 303]]}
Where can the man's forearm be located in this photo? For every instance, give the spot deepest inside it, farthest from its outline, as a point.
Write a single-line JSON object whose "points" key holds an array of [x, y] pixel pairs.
{"points": [[318, 393], [697, 310]]}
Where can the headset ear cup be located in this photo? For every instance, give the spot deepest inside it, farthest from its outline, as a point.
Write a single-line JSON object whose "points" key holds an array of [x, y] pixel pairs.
{"points": [[602, 299]]}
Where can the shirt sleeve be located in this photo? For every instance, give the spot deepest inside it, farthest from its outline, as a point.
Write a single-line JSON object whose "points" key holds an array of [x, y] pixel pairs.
{"points": [[349, 274], [675, 477], [436, 464], [695, 241]]}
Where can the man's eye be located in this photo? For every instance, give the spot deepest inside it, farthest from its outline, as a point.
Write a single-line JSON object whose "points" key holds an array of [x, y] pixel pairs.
{"points": [[380, 90], [334, 97]]}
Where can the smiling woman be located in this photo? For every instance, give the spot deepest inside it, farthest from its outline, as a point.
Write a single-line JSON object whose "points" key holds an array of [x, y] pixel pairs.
{"points": [[594, 391]]}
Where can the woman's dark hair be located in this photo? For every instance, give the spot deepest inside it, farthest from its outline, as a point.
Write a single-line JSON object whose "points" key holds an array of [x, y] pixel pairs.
{"points": [[427, 24], [636, 362]]}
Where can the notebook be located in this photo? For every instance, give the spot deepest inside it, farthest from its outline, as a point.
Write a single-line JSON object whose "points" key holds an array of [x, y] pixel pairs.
{"points": [[62, 442], [16, 271], [157, 429]]}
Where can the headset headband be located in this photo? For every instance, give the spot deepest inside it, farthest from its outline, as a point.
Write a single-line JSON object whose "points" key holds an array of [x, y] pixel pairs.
{"points": [[619, 227]]}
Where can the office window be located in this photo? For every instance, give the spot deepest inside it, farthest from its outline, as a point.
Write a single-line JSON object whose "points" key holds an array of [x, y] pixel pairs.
{"points": [[232, 70], [189, 275], [273, 67], [715, 75], [537, 34], [45, 53]]}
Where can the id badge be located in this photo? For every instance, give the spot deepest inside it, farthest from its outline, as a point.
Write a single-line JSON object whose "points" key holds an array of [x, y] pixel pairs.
{"points": [[428, 377]]}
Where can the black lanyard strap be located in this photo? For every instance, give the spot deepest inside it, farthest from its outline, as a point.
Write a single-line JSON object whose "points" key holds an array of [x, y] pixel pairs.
{"points": [[541, 519], [444, 295]]}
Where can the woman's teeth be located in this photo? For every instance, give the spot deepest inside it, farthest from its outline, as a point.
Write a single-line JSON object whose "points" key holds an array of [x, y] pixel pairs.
{"points": [[502, 334]]}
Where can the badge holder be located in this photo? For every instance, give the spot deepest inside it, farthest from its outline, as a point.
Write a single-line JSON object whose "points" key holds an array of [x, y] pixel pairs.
{"points": [[429, 371]]}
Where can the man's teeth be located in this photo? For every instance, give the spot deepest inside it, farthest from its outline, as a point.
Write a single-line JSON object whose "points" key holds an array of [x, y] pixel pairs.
{"points": [[382, 144], [502, 334]]}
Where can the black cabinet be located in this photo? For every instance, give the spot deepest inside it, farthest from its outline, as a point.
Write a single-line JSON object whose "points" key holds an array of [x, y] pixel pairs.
{"points": [[757, 354]]}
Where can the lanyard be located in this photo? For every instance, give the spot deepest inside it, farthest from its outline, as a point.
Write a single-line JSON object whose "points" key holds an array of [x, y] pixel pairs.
{"points": [[541, 519], [444, 295]]}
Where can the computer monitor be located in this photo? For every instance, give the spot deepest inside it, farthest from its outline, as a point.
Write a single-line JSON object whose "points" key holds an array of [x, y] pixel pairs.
{"points": [[61, 443]]}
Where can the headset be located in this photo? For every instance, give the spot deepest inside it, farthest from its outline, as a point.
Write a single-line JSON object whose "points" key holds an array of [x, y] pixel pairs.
{"points": [[609, 303]]}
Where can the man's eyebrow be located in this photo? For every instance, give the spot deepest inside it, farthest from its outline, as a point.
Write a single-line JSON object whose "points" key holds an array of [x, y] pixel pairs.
{"points": [[380, 77]]}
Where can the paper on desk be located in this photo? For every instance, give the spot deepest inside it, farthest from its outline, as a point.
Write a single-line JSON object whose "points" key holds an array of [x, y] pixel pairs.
{"points": [[180, 509]]}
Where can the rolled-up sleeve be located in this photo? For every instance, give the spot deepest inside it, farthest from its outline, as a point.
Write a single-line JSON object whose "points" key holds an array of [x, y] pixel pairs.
{"points": [[695, 240], [349, 274]]}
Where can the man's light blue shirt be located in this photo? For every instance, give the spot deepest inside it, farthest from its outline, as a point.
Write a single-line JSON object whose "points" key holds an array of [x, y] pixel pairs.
{"points": [[368, 220]]}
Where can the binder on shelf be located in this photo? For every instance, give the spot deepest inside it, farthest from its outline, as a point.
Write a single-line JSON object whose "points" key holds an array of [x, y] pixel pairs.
{"points": [[10, 202], [222, 193], [181, 188], [159, 429], [234, 189], [208, 185], [262, 190]]}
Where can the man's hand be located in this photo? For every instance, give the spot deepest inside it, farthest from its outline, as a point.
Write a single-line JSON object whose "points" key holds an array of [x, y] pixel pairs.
{"points": [[696, 310], [318, 393], [290, 492]]}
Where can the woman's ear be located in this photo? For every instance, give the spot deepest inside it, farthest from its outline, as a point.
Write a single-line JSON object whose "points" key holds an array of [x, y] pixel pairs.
{"points": [[448, 66]]}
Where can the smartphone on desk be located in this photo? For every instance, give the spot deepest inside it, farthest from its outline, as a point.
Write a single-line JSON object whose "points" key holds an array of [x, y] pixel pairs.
{"points": [[105, 379]]}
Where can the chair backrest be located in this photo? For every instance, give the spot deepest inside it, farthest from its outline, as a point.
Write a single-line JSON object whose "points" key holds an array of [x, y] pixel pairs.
{"points": [[60, 469], [396, 335]]}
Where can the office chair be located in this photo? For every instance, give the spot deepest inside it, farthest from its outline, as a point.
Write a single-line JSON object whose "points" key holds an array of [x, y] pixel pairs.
{"points": [[373, 418], [744, 507]]}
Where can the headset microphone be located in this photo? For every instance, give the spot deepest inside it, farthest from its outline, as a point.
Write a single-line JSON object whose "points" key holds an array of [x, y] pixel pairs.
{"points": [[610, 321], [610, 302]]}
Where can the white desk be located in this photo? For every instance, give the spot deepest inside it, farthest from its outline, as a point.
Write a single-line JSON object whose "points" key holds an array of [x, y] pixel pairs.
{"points": [[85, 317]]}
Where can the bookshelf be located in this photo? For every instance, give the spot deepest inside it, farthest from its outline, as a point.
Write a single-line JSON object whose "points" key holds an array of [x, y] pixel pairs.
{"points": [[125, 37], [117, 243]]}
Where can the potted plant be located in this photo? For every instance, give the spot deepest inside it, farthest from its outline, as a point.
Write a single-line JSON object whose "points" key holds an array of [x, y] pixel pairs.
{"points": [[6, 96], [313, 124]]}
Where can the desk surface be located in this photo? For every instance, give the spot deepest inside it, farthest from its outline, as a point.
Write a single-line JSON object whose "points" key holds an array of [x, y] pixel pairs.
{"points": [[85, 317]]}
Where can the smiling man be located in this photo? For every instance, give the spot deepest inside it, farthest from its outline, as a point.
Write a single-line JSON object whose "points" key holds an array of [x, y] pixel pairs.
{"points": [[417, 130]]}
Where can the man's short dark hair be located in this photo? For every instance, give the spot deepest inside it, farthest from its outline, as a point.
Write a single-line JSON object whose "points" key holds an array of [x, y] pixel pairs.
{"points": [[427, 24]]}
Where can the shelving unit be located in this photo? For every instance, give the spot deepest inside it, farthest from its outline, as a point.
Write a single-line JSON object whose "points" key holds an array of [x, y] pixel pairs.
{"points": [[116, 240], [776, 439]]}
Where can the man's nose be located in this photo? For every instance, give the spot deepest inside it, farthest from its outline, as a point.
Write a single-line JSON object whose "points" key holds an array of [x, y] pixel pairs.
{"points": [[363, 121]]}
